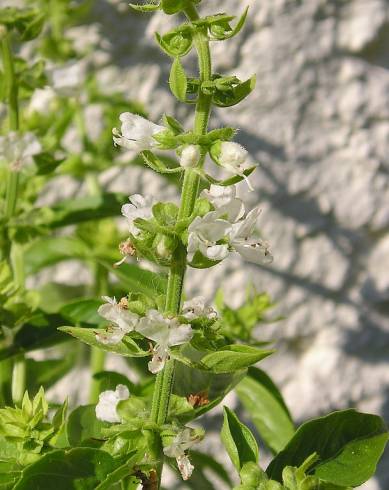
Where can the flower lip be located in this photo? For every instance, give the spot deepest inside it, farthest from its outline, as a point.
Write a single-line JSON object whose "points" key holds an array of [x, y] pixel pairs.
{"points": [[108, 402], [166, 333], [136, 132]]}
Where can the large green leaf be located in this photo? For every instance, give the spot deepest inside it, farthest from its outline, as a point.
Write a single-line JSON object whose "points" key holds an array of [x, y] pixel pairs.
{"points": [[233, 357], [138, 280], [349, 445], [83, 426], [48, 251], [238, 440], [78, 469], [266, 407], [72, 211], [126, 347], [207, 386], [46, 373], [83, 311], [39, 332]]}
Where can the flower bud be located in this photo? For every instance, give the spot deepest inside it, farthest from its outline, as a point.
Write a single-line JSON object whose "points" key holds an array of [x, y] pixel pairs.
{"points": [[190, 156], [164, 246], [229, 155]]}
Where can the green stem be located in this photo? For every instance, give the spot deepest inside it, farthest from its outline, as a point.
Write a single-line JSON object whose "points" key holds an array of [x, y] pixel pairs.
{"points": [[18, 380], [97, 356], [15, 252], [189, 193]]}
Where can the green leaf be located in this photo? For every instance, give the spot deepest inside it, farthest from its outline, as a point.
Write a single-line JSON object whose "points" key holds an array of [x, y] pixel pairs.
{"points": [[37, 333], [177, 42], [46, 373], [226, 182], [119, 473], [233, 357], [236, 95], [46, 163], [349, 445], [33, 28], [178, 81], [145, 8], [76, 469], [79, 210], [157, 164], [83, 426], [224, 34], [135, 279], [171, 7], [83, 311], [263, 401], [239, 442], [126, 347]]}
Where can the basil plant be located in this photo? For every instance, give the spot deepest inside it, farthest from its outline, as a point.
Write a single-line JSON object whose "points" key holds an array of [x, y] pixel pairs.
{"points": [[185, 354]]}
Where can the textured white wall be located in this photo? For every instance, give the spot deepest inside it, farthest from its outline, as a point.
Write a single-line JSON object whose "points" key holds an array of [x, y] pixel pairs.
{"points": [[318, 123]]}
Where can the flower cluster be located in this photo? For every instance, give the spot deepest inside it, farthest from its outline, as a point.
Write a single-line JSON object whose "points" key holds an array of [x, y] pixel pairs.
{"points": [[178, 448], [227, 228], [165, 332]]}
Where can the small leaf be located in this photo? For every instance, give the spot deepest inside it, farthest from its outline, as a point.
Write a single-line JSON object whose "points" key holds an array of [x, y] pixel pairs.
{"points": [[178, 81], [157, 164], [126, 347], [235, 95], [224, 34], [226, 182], [233, 357], [239, 442], [264, 403], [171, 7], [349, 445], [147, 7], [33, 28]]}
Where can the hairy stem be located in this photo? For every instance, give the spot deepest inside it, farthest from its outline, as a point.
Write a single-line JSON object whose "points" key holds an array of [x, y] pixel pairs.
{"points": [[189, 194]]}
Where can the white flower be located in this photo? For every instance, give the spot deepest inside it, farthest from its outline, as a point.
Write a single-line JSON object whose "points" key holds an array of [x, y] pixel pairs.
{"points": [[166, 332], [204, 233], [140, 207], [69, 78], [232, 157], [177, 449], [218, 195], [108, 401], [41, 100], [136, 132], [240, 238], [122, 320], [190, 156], [17, 149], [197, 307]]}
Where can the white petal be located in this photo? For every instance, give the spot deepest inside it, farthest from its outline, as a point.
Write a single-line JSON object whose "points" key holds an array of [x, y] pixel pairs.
{"points": [[219, 195], [108, 401], [217, 252], [111, 336], [254, 252], [180, 335], [244, 229], [234, 210], [157, 363], [185, 466]]}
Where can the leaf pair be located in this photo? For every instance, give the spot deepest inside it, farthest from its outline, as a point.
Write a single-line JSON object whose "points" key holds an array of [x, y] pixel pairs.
{"points": [[340, 450]]}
